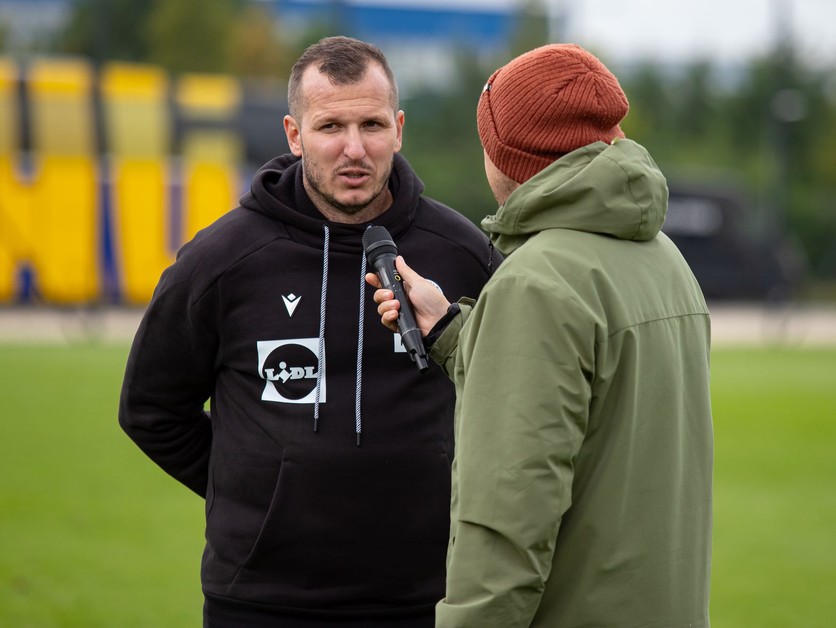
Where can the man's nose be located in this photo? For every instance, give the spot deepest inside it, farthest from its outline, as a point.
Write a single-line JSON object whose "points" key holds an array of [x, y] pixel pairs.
{"points": [[354, 147]]}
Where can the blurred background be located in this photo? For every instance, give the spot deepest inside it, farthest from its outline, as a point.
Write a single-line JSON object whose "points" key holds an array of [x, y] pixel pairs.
{"points": [[128, 125]]}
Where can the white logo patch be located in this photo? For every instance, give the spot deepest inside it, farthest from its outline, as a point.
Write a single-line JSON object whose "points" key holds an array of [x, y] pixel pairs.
{"points": [[289, 368], [399, 348], [290, 302]]}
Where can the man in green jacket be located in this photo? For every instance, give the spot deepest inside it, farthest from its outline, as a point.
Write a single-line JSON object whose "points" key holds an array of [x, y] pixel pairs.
{"points": [[582, 480]]}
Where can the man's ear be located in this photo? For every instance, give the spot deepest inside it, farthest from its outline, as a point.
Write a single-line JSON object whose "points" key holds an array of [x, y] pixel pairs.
{"points": [[399, 122], [294, 135]]}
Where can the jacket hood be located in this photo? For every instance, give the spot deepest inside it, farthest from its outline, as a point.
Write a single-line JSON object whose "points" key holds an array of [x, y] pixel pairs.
{"points": [[277, 191], [611, 189]]}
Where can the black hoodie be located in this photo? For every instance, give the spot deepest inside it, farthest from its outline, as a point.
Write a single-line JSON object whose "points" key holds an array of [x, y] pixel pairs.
{"points": [[261, 313]]}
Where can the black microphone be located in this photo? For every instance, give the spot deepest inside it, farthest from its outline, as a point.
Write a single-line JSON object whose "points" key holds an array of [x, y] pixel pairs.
{"points": [[381, 253]]}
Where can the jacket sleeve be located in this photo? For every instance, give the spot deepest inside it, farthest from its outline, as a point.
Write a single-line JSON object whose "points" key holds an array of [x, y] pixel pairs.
{"points": [[444, 349], [170, 376], [523, 374]]}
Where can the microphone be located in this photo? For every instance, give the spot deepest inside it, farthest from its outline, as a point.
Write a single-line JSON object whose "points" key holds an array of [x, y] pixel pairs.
{"points": [[381, 253]]}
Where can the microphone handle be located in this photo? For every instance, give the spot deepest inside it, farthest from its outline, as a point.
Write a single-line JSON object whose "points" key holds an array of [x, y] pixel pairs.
{"points": [[407, 326]]}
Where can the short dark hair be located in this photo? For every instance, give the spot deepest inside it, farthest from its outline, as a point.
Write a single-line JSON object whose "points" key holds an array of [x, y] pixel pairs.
{"points": [[344, 60]]}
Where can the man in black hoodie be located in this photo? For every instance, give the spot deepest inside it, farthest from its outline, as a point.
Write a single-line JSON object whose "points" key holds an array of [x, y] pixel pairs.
{"points": [[325, 464]]}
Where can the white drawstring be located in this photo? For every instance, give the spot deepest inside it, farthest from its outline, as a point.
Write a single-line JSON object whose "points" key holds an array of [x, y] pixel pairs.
{"points": [[358, 421], [321, 350]]}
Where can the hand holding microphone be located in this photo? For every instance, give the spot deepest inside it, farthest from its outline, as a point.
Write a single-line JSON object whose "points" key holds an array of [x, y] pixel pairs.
{"points": [[430, 304]]}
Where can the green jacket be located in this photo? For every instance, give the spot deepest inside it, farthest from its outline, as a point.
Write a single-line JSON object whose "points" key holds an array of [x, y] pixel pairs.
{"points": [[582, 477]]}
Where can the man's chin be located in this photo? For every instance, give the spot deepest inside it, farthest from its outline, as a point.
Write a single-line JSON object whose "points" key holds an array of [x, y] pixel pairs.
{"points": [[349, 209], [348, 202], [353, 203]]}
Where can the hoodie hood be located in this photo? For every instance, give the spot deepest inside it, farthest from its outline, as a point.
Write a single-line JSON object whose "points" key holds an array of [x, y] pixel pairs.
{"points": [[277, 191], [610, 189]]}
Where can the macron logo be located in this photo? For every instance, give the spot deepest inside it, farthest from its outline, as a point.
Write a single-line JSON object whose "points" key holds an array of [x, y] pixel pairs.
{"points": [[290, 302]]}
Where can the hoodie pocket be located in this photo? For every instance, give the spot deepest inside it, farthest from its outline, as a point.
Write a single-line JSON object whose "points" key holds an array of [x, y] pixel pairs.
{"points": [[352, 526]]}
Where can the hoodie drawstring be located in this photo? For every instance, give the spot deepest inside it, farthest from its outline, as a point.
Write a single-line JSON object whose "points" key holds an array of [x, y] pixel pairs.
{"points": [[321, 350], [358, 421]]}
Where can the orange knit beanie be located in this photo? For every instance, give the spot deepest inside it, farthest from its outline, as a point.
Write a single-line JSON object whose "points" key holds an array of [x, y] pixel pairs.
{"points": [[546, 103]]}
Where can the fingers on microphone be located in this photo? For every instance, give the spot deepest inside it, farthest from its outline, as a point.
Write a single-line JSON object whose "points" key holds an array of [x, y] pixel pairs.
{"points": [[382, 295], [389, 318], [384, 306], [405, 269]]}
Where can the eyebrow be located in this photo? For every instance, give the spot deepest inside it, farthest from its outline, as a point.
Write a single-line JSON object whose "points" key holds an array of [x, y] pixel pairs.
{"points": [[336, 118]]}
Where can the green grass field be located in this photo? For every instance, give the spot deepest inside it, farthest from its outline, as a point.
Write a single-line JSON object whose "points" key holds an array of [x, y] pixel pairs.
{"points": [[93, 535]]}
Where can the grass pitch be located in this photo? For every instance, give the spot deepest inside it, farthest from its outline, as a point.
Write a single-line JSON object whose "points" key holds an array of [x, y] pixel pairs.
{"points": [[92, 534], [775, 488]]}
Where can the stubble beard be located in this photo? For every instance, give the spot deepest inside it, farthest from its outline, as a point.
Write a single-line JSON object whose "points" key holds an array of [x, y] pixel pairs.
{"points": [[328, 203]]}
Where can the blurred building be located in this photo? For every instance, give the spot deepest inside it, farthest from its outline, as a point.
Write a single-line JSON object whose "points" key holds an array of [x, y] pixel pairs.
{"points": [[26, 23], [106, 169], [420, 37], [435, 29]]}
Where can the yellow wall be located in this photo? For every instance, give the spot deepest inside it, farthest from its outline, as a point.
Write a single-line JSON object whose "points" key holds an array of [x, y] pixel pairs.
{"points": [[78, 220], [9, 229], [208, 154], [46, 215]]}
